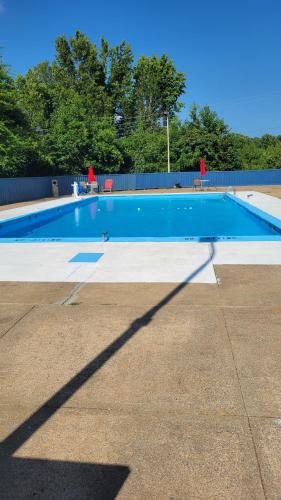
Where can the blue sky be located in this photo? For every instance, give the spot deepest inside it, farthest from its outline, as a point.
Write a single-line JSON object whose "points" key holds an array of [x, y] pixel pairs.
{"points": [[229, 51]]}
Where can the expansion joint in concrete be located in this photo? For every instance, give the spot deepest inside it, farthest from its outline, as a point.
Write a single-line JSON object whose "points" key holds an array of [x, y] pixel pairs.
{"points": [[245, 406], [71, 297]]}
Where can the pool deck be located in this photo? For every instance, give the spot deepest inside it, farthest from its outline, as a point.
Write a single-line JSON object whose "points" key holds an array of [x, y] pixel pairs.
{"points": [[143, 390], [136, 391]]}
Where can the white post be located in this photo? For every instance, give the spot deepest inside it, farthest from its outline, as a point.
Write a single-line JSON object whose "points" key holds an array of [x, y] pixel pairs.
{"points": [[168, 143]]}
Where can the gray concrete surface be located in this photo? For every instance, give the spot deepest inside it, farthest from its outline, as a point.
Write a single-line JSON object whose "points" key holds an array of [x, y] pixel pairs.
{"points": [[33, 293], [141, 390]]}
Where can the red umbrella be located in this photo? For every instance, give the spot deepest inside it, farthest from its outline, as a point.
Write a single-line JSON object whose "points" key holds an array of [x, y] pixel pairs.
{"points": [[202, 167], [91, 175]]}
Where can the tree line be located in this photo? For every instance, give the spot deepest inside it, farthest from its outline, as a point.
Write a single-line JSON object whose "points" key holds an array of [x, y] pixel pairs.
{"points": [[97, 105]]}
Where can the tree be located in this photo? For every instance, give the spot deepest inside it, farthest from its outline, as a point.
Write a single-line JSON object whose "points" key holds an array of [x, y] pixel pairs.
{"points": [[78, 66], [96, 104], [272, 156], [145, 151], [10, 114], [81, 106], [249, 151], [120, 86], [105, 149], [157, 89], [35, 95], [18, 155], [67, 143], [206, 135]]}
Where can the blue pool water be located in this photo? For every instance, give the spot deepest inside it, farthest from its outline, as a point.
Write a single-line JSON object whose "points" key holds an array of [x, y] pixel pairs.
{"points": [[181, 217]]}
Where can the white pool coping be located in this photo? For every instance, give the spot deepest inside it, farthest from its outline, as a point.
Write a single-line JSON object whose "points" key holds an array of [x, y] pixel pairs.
{"points": [[166, 262]]}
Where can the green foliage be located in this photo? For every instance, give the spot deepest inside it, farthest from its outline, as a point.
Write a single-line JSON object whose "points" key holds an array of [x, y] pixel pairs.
{"points": [[272, 155], [105, 149], [35, 96], [249, 151], [205, 135], [157, 88], [145, 151], [120, 87], [98, 105], [18, 153], [67, 142]]}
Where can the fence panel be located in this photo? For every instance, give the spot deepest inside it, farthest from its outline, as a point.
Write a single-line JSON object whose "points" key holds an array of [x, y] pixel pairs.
{"points": [[245, 177], [121, 182], [30, 188], [13, 190]]}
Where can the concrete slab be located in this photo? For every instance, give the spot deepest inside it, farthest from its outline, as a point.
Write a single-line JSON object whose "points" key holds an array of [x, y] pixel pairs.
{"points": [[41, 273], [174, 357], [71, 478], [10, 314], [33, 293], [165, 456], [249, 285], [9, 206], [121, 262], [267, 437], [136, 294], [248, 253], [263, 201], [238, 286], [165, 366], [65, 480], [55, 343], [160, 411], [154, 262], [256, 342]]}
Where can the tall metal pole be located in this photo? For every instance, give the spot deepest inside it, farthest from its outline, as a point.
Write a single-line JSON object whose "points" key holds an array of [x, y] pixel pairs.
{"points": [[168, 143]]}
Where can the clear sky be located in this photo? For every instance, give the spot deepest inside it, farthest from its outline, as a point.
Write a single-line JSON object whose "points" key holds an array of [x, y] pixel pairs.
{"points": [[228, 50]]}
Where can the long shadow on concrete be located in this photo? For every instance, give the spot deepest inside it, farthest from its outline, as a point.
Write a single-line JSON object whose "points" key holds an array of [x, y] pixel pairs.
{"points": [[25, 478]]}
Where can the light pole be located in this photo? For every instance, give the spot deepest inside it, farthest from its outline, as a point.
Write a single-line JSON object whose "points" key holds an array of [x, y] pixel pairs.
{"points": [[168, 140]]}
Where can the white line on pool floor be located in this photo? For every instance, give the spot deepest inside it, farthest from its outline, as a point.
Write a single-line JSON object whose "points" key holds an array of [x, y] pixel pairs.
{"points": [[169, 262]]}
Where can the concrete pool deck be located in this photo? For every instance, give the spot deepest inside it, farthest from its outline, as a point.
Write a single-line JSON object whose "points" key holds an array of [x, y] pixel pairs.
{"points": [[126, 262], [142, 390]]}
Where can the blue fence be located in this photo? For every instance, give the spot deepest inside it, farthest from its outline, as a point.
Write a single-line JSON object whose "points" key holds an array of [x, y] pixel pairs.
{"points": [[24, 188], [30, 188]]}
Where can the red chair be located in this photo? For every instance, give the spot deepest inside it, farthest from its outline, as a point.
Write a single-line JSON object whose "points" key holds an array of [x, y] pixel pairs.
{"points": [[107, 186]]}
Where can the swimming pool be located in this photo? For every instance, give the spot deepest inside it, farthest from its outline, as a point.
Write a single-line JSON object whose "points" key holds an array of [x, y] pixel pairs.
{"points": [[167, 217]]}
